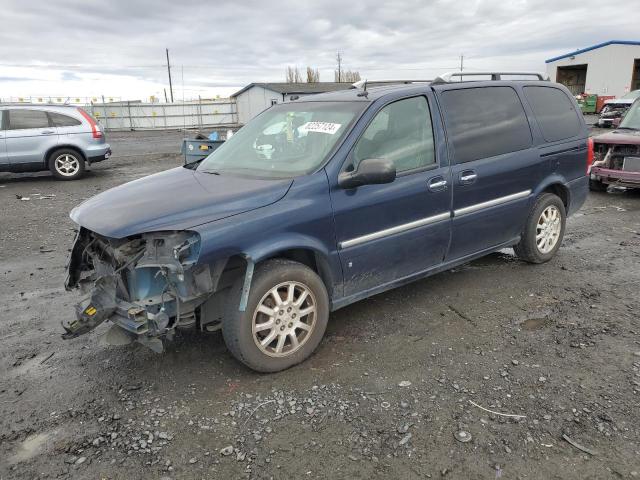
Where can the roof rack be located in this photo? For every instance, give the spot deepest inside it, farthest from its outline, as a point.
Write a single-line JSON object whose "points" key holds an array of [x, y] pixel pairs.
{"points": [[379, 83], [447, 77]]}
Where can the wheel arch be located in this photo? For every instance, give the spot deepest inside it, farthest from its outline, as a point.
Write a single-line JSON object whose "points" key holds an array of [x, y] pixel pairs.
{"points": [[51, 150], [556, 185], [300, 249]]}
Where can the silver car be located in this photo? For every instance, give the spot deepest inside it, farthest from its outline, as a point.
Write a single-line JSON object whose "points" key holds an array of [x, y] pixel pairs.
{"points": [[62, 139]]}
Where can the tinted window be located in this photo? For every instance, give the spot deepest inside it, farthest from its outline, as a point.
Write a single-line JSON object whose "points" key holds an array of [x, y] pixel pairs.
{"points": [[554, 111], [60, 120], [484, 122], [21, 119], [400, 132]]}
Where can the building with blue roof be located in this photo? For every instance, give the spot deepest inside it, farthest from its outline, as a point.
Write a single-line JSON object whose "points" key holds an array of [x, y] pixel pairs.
{"points": [[609, 68]]}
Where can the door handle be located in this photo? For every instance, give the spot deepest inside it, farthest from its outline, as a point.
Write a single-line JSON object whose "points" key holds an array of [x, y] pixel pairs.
{"points": [[46, 132], [467, 177], [437, 184]]}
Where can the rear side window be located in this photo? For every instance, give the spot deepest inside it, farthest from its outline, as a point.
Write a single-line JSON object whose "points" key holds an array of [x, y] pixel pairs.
{"points": [[23, 119], [60, 120], [484, 122], [554, 111]]}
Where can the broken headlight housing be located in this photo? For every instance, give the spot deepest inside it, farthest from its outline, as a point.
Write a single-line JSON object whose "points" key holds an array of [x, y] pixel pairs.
{"points": [[147, 285]]}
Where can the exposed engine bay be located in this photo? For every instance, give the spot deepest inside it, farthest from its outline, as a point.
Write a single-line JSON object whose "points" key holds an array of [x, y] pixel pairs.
{"points": [[613, 156], [148, 285], [617, 164]]}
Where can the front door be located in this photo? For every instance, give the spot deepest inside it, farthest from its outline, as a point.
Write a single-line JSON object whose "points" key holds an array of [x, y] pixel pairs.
{"points": [[391, 231], [29, 136]]}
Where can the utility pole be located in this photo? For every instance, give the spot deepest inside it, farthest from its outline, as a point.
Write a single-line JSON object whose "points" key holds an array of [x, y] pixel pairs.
{"points": [[339, 60], [169, 70], [461, 62]]}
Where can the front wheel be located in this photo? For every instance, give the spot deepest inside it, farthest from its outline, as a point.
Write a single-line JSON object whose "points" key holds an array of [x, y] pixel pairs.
{"points": [[543, 231], [285, 318], [66, 164]]}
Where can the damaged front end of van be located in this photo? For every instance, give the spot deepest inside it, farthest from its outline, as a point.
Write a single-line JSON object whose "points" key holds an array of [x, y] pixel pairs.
{"points": [[147, 285]]}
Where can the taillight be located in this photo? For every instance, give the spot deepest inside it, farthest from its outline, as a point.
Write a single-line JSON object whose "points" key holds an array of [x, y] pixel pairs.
{"points": [[589, 154], [95, 129]]}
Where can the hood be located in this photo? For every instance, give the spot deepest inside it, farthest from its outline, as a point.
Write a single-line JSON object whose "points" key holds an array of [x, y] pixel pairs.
{"points": [[175, 199], [619, 101], [622, 137]]}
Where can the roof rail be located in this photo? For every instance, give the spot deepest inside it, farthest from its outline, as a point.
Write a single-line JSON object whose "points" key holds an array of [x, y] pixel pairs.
{"points": [[378, 83], [447, 77]]}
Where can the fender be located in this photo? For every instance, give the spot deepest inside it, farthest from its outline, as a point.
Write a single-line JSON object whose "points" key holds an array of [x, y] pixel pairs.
{"points": [[328, 264], [553, 179]]}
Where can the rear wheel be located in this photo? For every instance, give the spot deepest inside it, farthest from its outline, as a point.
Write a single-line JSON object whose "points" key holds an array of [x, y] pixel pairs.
{"points": [[597, 186], [66, 164], [285, 318], [543, 231]]}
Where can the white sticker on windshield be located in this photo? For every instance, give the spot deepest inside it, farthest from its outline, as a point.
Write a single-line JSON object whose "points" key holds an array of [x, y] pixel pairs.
{"points": [[321, 127]]}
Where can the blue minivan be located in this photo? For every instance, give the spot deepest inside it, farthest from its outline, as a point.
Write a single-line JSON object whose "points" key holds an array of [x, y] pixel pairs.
{"points": [[327, 200]]}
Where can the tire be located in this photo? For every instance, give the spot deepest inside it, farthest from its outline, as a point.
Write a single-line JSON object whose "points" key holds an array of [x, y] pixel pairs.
{"points": [[597, 186], [528, 249], [66, 164], [242, 338]]}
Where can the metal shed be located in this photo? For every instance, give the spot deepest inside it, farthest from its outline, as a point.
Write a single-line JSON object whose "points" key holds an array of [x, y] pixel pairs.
{"points": [[609, 68], [256, 97]]}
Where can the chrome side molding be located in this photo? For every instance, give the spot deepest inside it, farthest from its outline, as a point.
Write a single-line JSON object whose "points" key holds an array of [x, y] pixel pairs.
{"points": [[491, 203], [393, 230]]}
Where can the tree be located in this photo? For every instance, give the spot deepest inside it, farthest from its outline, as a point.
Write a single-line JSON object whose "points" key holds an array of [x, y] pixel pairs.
{"points": [[293, 75], [340, 75], [313, 75], [349, 76]]}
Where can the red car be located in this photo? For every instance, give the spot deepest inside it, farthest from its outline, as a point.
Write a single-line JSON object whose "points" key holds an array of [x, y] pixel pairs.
{"points": [[616, 155]]}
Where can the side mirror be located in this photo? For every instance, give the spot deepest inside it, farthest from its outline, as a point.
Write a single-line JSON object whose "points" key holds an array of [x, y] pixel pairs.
{"points": [[370, 171]]}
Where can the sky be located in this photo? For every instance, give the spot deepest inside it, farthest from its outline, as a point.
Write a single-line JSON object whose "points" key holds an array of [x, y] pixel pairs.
{"points": [[116, 48]]}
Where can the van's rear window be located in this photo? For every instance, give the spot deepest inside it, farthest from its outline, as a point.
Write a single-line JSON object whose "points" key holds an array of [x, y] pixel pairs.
{"points": [[554, 111]]}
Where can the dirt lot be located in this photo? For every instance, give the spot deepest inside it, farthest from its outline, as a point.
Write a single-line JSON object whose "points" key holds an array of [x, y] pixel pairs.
{"points": [[393, 381]]}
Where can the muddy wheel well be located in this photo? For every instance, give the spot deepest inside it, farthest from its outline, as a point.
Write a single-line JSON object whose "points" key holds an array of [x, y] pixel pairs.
{"points": [[561, 191], [312, 260], [236, 266]]}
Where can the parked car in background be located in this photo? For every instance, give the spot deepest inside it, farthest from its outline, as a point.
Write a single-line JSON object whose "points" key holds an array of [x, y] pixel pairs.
{"points": [[614, 109], [318, 203], [62, 139], [617, 154]]}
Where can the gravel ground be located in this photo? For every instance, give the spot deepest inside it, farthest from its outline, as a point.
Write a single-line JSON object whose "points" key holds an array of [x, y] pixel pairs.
{"points": [[398, 376]]}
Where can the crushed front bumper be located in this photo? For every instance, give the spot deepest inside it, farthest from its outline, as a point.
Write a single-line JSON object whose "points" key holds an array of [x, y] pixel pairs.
{"points": [[147, 285], [621, 178]]}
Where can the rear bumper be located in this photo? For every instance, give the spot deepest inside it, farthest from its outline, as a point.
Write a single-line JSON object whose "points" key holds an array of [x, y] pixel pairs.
{"points": [[98, 154], [578, 191], [618, 177]]}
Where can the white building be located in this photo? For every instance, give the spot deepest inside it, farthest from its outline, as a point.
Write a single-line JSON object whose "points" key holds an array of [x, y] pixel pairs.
{"points": [[256, 97], [610, 68]]}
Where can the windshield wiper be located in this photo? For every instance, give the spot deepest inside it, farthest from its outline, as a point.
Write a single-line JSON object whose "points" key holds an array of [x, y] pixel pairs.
{"points": [[627, 128], [211, 172]]}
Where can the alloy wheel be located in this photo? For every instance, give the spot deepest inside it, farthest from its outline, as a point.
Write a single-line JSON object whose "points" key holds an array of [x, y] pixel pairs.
{"points": [[548, 229], [66, 165], [284, 319]]}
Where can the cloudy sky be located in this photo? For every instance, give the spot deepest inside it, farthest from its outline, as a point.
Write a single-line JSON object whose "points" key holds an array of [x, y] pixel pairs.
{"points": [[116, 48]]}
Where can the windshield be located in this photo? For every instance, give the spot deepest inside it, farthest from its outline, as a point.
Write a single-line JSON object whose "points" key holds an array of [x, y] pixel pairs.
{"points": [[632, 118], [631, 95], [287, 140]]}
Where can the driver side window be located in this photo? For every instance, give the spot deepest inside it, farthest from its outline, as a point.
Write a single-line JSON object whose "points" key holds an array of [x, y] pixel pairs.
{"points": [[400, 132]]}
